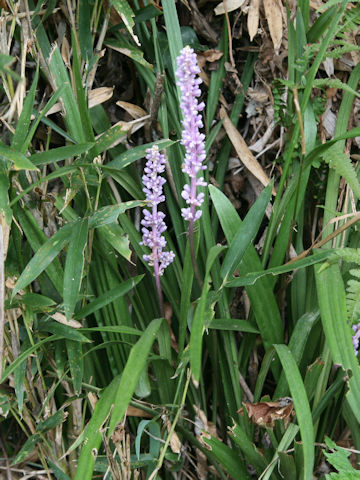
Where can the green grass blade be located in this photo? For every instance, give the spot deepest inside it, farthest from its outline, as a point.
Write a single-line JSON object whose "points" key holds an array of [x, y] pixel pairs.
{"points": [[43, 257], [133, 368], [301, 406], [93, 432], [74, 265], [246, 233]]}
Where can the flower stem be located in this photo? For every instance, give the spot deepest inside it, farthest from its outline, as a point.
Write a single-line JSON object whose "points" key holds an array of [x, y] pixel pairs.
{"points": [[192, 253]]}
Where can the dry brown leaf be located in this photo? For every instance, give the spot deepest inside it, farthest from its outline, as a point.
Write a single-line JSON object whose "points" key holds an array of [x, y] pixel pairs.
{"points": [[175, 443], [265, 413], [96, 97], [136, 412], [245, 156], [210, 56], [253, 18], [229, 6], [273, 13], [59, 317], [100, 95], [133, 110]]}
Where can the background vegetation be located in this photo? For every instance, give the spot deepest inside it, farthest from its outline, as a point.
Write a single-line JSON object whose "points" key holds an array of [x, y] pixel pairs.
{"points": [[254, 374]]}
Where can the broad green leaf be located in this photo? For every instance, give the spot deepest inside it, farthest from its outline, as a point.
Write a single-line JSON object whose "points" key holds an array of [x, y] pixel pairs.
{"points": [[301, 406], [76, 362], [127, 16], [51, 422], [24, 121], [108, 297], [61, 153], [136, 153], [261, 295], [64, 331], [19, 160], [231, 324], [124, 47], [93, 431], [134, 366], [246, 233], [116, 237], [228, 458], [197, 327], [23, 356], [110, 213], [43, 257], [59, 474], [252, 454], [251, 278], [74, 266], [332, 303]]}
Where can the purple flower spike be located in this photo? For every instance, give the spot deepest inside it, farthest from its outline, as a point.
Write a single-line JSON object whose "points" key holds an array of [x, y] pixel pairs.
{"points": [[192, 139], [356, 338], [153, 221]]}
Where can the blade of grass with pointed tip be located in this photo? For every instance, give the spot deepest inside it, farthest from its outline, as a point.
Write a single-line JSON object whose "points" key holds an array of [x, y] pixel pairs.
{"points": [[19, 160], [245, 233], [261, 296], [24, 121], [108, 297], [74, 266], [43, 257]]}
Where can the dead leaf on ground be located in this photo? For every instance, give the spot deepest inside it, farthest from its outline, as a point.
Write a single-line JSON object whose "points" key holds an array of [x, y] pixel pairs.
{"points": [[210, 56], [100, 95], [246, 157], [133, 110], [264, 414], [253, 18], [273, 13], [59, 317]]}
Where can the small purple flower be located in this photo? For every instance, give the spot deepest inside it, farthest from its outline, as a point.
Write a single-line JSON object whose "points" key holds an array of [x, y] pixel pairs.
{"points": [[192, 139], [356, 338], [153, 221]]}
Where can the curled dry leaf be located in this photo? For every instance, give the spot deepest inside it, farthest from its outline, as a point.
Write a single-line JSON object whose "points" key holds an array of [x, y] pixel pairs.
{"points": [[264, 414], [273, 13], [212, 55], [175, 443], [246, 157], [59, 317], [136, 412], [253, 18], [229, 6], [96, 97], [133, 110]]}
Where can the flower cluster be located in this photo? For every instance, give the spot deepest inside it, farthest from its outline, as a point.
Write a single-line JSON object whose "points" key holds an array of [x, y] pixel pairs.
{"points": [[192, 139], [356, 338], [153, 221]]}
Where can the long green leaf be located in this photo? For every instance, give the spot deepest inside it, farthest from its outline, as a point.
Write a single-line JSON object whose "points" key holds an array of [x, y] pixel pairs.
{"points": [[74, 266], [132, 371], [302, 408], [43, 257], [246, 233]]}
